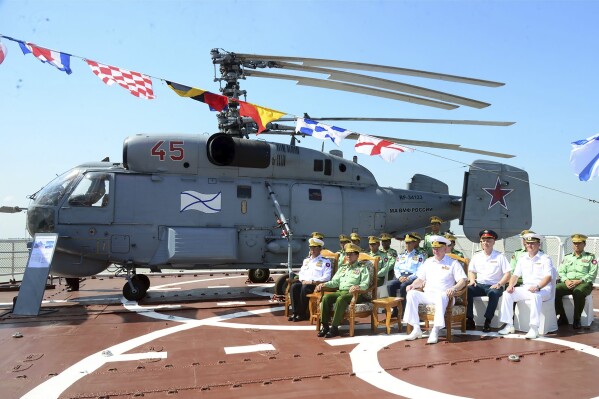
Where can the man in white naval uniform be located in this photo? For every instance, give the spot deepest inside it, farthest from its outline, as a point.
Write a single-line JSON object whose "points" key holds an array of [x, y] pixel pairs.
{"points": [[536, 270], [315, 269], [441, 277]]}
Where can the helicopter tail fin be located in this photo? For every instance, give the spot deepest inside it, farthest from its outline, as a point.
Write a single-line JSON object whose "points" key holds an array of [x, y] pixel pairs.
{"points": [[496, 196]]}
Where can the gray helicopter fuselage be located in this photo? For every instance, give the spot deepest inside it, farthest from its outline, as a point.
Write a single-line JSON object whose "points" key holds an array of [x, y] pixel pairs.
{"points": [[183, 201]]}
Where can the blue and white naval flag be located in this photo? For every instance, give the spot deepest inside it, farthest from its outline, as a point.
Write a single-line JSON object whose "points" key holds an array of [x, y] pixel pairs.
{"points": [[207, 203], [320, 130], [584, 158]]}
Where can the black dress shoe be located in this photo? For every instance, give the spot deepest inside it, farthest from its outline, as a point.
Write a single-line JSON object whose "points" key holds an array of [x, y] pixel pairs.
{"points": [[576, 325], [298, 318], [334, 332], [562, 321], [323, 331], [291, 318], [470, 325], [487, 326]]}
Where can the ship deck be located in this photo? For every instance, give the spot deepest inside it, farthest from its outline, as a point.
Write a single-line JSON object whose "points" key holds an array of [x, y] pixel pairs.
{"points": [[214, 335]]}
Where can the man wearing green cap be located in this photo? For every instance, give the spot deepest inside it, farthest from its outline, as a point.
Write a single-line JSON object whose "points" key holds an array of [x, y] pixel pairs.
{"points": [[435, 224], [577, 274]]}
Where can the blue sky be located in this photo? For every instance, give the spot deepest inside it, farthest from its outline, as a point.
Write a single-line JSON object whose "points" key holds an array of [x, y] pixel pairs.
{"points": [[545, 52]]}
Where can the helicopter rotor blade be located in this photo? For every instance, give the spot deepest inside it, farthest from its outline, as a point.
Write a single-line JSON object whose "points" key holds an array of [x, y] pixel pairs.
{"points": [[11, 209], [385, 84], [409, 120], [327, 84], [372, 68]]}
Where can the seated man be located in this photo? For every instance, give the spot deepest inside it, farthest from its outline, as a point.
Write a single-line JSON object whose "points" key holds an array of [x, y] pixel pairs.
{"points": [[315, 270], [441, 277], [405, 267], [374, 244], [452, 239], [487, 274], [536, 270], [390, 253], [577, 274], [343, 239], [350, 277]]}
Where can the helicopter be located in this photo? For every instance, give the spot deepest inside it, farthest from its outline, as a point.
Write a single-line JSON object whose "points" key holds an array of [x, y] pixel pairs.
{"points": [[224, 201]]}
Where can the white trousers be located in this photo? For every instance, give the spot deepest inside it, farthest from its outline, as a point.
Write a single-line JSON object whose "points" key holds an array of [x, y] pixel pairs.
{"points": [[522, 294], [415, 298]]}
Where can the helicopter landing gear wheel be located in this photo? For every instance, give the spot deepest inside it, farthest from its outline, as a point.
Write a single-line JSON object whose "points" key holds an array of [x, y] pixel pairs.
{"points": [[281, 284], [135, 293], [258, 276], [143, 279]]}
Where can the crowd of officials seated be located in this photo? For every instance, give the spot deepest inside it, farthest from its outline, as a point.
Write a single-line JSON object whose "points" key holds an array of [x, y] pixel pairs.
{"points": [[431, 271]]}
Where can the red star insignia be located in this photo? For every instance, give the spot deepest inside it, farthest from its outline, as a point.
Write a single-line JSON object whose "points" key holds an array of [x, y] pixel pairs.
{"points": [[498, 194]]}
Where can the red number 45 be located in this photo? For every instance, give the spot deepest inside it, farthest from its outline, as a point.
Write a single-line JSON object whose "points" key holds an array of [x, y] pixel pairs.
{"points": [[175, 149]]}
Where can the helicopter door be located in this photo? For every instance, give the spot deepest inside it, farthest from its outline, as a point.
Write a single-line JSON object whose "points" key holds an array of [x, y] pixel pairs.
{"points": [[89, 202], [316, 208]]}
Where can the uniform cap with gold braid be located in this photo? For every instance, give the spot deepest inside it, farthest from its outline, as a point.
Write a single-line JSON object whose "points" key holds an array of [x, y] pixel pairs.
{"points": [[525, 232], [344, 238], [386, 237], [436, 219], [439, 241], [318, 235], [487, 234], [532, 237], [354, 236], [316, 242], [352, 248], [411, 237], [450, 236], [579, 237], [373, 240]]}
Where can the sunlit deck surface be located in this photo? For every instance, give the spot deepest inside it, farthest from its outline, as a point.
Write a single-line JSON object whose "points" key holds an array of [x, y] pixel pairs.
{"points": [[217, 336]]}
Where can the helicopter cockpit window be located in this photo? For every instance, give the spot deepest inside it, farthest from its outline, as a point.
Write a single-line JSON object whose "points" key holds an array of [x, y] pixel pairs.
{"points": [[328, 167], [244, 191], [314, 194], [93, 191], [53, 193], [318, 165]]}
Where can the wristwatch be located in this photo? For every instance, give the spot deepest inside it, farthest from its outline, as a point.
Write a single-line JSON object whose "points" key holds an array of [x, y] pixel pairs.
{"points": [[538, 288]]}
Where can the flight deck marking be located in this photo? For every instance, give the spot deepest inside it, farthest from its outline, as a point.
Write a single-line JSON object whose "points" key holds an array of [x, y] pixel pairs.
{"points": [[231, 350]]}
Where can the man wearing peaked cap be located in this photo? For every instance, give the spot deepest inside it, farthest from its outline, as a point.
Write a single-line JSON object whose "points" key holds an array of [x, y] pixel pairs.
{"points": [[488, 272], [388, 261], [405, 268], [536, 270], [519, 252], [350, 277], [355, 238], [435, 224], [343, 239], [318, 235], [577, 274], [374, 245], [452, 240], [315, 270], [441, 277]]}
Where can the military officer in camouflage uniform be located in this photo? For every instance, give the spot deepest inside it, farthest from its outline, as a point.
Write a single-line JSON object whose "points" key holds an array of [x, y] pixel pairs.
{"points": [[390, 254], [405, 267], [577, 274], [374, 244], [343, 239], [351, 277], [435, 231]]}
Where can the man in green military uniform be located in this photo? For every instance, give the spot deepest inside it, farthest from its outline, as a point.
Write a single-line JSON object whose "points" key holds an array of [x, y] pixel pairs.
{"points": [[452, 239], [351, 277], [343, 239], [355, 239], [374, 245], [390, 254], [577, 274], [519, 252], [435, 231]]}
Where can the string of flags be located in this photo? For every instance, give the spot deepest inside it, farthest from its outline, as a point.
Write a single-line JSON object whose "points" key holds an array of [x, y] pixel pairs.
{"points": [[140, 85]]}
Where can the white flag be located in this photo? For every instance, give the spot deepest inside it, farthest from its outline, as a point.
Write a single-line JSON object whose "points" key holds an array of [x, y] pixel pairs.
{"points": [[207, 203], [584, 158], [386, 149], [320, 130]]}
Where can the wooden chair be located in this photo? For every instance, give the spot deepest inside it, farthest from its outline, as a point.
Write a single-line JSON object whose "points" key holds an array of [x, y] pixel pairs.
{"points": [[333, 257], [354, 309], [455, 312]]}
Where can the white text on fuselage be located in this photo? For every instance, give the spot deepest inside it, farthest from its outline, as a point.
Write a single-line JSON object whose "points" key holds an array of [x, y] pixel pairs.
{"points": [[409, 210]]}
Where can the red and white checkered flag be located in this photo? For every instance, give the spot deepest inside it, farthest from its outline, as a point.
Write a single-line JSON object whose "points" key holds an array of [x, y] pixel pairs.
{"points": [[138, 84]]}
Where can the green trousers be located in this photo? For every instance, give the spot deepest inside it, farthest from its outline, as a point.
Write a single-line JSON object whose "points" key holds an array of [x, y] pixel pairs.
{"points": [[579, 293], [338, 301]]}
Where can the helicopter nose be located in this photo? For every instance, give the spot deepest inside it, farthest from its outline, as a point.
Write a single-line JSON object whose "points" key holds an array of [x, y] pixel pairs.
{"points": [[40, 220]]}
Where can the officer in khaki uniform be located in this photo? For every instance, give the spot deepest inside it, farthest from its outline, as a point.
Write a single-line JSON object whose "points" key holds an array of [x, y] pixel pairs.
{"points": [[374, 245], [350, 277], [343, 239], [435, 224], [577, 274], [355, 239], [390, 254]]}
